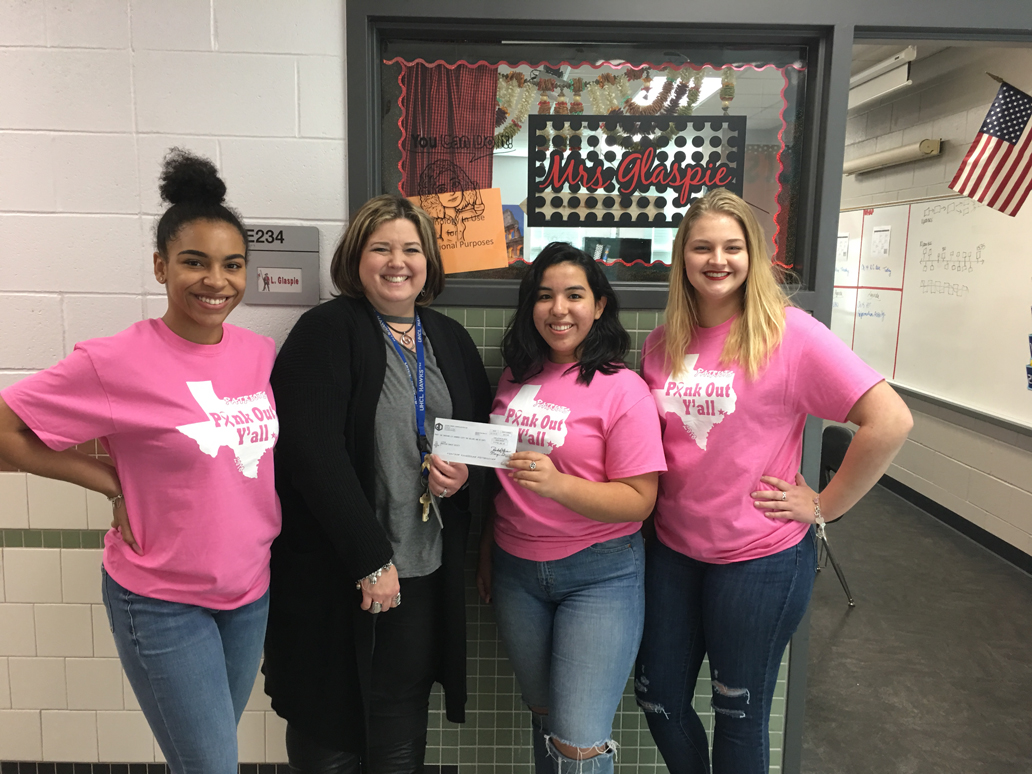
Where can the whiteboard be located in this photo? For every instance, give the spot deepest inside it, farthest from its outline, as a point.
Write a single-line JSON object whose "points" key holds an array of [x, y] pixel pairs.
{"points": [[940, 301]]}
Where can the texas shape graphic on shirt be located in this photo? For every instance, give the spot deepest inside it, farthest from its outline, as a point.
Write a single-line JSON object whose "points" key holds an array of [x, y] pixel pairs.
{"points": [[542, 426], [248, 426], [701, 400]]}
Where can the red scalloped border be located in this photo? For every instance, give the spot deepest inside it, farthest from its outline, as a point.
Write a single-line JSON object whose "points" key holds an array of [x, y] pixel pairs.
{"points": [[665, 65]]}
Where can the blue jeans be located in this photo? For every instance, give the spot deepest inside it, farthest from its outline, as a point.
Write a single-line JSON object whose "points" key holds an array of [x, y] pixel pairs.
{"points": [[571, 628], [192, 670], [742, 615]]}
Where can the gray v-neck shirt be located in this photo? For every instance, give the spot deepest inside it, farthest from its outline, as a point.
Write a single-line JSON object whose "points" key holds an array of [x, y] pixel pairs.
{"points": [[417, 543]]}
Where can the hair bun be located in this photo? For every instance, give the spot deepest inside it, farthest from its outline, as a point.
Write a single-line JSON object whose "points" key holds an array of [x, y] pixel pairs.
{"points": [[189, 178]]}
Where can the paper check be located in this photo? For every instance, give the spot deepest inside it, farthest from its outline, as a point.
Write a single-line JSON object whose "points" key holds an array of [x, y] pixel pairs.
{"points": [[474, 443]]}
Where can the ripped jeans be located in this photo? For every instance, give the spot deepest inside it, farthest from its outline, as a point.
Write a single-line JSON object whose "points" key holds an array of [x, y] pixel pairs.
{"points": [[571, 628], [742, 616]]}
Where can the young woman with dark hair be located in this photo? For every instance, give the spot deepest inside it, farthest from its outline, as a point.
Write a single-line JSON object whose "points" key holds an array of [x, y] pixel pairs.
{"points": [[562, 557], [186, 567]]}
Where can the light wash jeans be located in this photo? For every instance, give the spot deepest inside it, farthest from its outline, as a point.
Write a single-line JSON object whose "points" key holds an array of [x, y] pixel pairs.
{"points": [[742, 615], [572, 628], [192, 670]]}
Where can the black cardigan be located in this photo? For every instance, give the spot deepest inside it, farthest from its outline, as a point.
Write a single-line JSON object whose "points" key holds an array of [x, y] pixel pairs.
{"points": [[318, 649]]}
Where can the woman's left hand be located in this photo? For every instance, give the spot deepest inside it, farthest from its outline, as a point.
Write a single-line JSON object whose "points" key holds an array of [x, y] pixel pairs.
{"points": [[785, 500], [535, 471], [446, 478]]}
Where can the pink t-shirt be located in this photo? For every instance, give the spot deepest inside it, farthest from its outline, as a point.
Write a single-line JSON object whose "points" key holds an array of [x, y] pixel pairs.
{"points": [[190, 428], [722, 431], [600, 432]]}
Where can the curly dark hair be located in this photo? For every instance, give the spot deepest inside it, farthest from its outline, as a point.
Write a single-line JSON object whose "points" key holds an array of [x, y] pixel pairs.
{"points": [[194, 191], [603, 349]]}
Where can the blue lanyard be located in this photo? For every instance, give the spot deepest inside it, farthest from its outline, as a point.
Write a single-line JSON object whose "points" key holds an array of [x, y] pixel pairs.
{"points": [[418, 384]]}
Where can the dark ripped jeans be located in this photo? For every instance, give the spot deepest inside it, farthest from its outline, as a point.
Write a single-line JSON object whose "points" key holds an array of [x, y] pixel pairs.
{"points": [[742, 615]]}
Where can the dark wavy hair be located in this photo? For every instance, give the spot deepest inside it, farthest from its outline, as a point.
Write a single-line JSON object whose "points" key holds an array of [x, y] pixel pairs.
{"points": [[192, 187], [603, 349]]}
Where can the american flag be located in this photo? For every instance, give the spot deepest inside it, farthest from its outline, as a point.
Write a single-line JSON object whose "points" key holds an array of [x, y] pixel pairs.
{"points": [[997, 169]]}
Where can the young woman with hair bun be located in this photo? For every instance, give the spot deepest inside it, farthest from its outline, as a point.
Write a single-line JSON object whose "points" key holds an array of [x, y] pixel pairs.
{"points": [[182, 405]]}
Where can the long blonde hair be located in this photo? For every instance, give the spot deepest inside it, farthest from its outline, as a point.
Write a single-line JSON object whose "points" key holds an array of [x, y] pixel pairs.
{"points": [[757, 330]]}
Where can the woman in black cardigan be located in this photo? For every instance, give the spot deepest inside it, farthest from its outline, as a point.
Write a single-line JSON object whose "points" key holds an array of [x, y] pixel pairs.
{"points": [[347, 665]]}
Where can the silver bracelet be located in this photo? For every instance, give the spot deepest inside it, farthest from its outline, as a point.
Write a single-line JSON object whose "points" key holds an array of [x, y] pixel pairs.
{"points": [[818, 520], [118, 498], [374, 576]]}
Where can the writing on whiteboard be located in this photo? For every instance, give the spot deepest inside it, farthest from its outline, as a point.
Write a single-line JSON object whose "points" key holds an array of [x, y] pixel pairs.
{"points": [[870, 308], [876, 267], [939, 288], [959, 207], [950, 260]]}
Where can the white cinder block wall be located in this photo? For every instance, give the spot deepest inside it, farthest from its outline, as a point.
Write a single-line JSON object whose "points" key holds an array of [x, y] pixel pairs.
{"points": [[92, 93], [981, 471]]}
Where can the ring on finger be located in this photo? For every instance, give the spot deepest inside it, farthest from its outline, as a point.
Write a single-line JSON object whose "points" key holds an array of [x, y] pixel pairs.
{"points": [[444, 492], [784, 496], [375, 608], [396, 602], [533, 465]]}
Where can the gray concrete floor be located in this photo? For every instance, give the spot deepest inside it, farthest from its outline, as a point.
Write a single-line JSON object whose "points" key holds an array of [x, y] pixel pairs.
{"points": [[932, 670]]}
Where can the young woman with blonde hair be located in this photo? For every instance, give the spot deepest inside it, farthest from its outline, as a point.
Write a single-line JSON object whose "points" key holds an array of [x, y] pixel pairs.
{"points": [[735, 371]]}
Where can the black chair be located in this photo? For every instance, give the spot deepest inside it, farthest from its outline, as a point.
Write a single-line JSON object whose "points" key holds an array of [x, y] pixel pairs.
{"points": [[834, 443]]}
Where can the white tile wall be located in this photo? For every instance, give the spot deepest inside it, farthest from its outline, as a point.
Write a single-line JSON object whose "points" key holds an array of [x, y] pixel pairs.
{"points": [[308, 27], [87, 317], [32, 574], [286, 178], [5, 685], [80, 574], [103, 641], [211, 93], [37, 319], [66, 89], [17, 630], [88, 23], [38, 683], [22, 23], [94, 683], [21, 737], [251, 736], [14, 501], [96, 173], [188, 29], [56, 504], [69, 736], [98, 511], [69, 253], [63, 630], [124, 736], [28, 164]]}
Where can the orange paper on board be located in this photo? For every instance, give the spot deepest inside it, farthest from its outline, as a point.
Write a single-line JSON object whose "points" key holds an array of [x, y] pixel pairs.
{"points": [[469, 228]]}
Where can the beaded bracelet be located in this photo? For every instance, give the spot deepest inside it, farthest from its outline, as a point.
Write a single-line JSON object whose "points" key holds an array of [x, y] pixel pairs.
{"points": [[374, 576]]}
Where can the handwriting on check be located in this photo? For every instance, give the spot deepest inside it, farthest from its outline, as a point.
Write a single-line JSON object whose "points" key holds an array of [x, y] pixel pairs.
{"points": [[474, 443]]}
